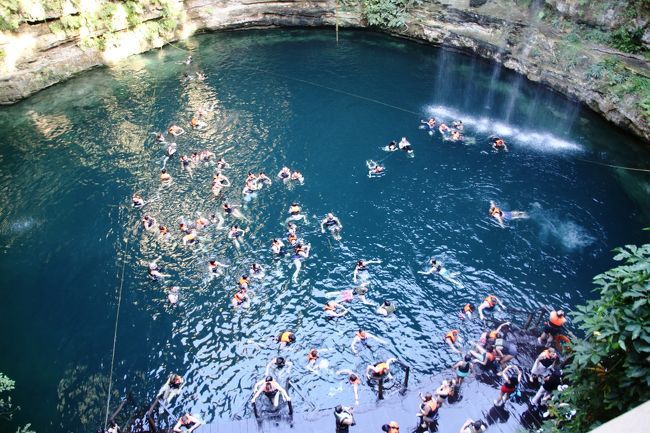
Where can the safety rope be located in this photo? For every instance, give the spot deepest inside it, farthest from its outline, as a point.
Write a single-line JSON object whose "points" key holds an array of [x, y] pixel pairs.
{"points": [[117, 318], [646, 170]]}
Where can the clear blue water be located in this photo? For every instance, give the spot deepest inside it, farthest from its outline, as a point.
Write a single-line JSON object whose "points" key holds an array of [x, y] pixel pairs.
{"points": [[72, 155]]}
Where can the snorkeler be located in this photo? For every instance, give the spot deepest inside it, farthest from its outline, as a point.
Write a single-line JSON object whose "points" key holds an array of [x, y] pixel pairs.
{"points": [[489, 303], [362, 337], [499, 144], [451, 338], [333, 224], [361, 269], [272, 390], [278, 367], [436, 267], [380, 370], [235, 234], [149, 223], [501, 215], [386, 309], [294, 210], [300, 253], [354, 380], [374, 169], [334, 309], [137, 201], [175, 130]]}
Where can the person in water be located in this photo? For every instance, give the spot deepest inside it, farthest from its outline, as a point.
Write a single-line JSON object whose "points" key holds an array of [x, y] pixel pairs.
{"points": [[295, 215], [285, 174], [175, 130], [278, 367], [216, 268], [236, 234], [272, 390], [553, 327], [149, 223], [153, 270], [499, 144], [171, 388], [456, 136], [355, 380], [277, 247], [300, 253], [484, 356], [137, 201], [165, 178], [467, 311], [344, 418], [428, 412], [405, 145], [436, 267], [256, 271], [471, 426], [191, 238], [458, 125], [361, 269], [391, 427], [510, 383], [451, 338], [444, 129], [241, 298], [286, 339], [374, 169], [429, 125], [173, 295], [333, 224], [362, 337], [334, 309], [489, 303], [297, 176], [386, 308], [380, 370], [188, 422], [463, 368], [392, 146], [501, 215]]}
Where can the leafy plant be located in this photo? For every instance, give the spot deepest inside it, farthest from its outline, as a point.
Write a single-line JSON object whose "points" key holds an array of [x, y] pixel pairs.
{"points": [[628, 40], [610, 373], [387, 13]]}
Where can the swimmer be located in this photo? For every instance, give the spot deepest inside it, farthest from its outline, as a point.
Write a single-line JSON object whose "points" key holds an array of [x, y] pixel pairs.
{"points": [[175, 130], [286, 339], [149, 223], [250, 188], [333, 224], [201, 222], [186, 164], [240, 298], [137, 201], [263, 179], [456, 136], [501, 215], [170, 150], [463, 368], [361, 269], [278, 367], [291, 228], [272, 390], [173, 295], [257, 271], [277, 247], [380, 369], [191, 237], [489, 303], [444, 129], [215, 267], [468, 309], [297, 176], [184, 228], [235, 234], [458, 125], [354, 379], [200, 76], [222, 164], [392, 146], [294, 210], [165, 178], [361, 292], [386, 309], [170, 389], [499, 144], [312, 356], [189, 422], [405, 145], [217, 218], [429, 125], [374, 169], [300, 253], [163, 232], [334, 309], [436, 267], [188, 60], [362, 337], [451, 338], [153, 270], [284, 174], [195, 123], [160, 138], [205, 155], [231, 209]]}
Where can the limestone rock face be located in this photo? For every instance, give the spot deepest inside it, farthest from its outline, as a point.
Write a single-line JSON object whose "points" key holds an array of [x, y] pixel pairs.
{"points": [[49, 48]]}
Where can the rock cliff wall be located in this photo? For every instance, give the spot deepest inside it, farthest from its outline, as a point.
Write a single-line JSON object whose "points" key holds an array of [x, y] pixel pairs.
{"points": [[564, 44]]}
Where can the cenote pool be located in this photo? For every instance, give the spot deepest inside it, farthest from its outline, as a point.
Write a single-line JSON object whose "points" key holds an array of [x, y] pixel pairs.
{"points": [[73, 155]]}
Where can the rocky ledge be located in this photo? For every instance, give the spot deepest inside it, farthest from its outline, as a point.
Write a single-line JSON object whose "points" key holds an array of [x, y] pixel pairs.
{"points": [[50, 45]]}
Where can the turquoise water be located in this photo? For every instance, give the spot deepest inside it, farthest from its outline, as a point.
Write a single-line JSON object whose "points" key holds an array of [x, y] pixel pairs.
{"points": [[72, 155]]}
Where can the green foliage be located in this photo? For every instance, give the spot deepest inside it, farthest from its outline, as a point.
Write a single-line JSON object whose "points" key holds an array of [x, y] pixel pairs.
{"points": [[7, 408], [386, 13], [627, 40], [9, 15], [610, 373]]}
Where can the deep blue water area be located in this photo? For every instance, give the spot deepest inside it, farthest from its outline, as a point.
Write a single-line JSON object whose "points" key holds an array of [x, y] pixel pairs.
{"points": [[72, 156]]}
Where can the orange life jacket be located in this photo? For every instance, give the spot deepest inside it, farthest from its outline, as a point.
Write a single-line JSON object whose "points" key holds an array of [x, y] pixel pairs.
{"points": [[452, 335], [492, 335], [294, 209], [490, 356], [239, 297], [433, 405], [491, 300], [284, 338], [381, 368], [328, 307], [468, 308], [556, 320], [312, 357]]}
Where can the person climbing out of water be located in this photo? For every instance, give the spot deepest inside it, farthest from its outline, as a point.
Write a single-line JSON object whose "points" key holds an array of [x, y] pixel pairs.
{"points": [[173, 295], [489, 303], [137, 201], [544, 363], [553, 327], [344, 418], [428, 412], [374, 169], [285, 173], [300, 253], [286, 338], [353, 379], [170, 389], [215, 267], [188, 422], [380, 370], [458, 125], [175, 130], [391, 427], [471, 426], [510, 382], [295, 215], [499, 144], [468, 309], [463, 368], [386, 308], [436, 267], [278, 367], [277, 247], [333, 224], [272, 390], [362, 337], [334, 309], [501, 215], [361, 269], [149, 223], [165, 178], [490, 336], [485, 357], [235, 234], [241, 297], [405, 145], [451, 338]]}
